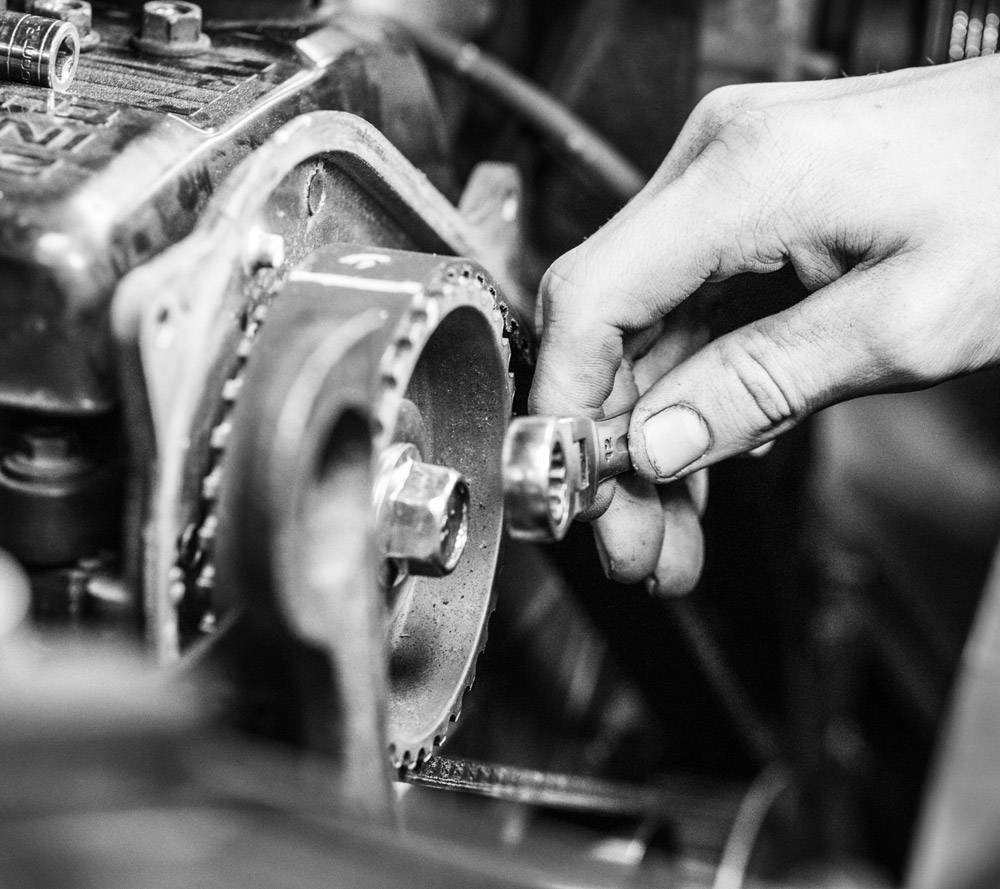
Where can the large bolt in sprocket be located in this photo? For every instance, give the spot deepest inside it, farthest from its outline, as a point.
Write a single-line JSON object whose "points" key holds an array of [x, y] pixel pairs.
{"points": [[425, 336]]}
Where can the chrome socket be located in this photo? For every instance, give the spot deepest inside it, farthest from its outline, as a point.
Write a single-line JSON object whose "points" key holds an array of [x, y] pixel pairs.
{"points": [[38, 51], [76, 12], [552, 467]]}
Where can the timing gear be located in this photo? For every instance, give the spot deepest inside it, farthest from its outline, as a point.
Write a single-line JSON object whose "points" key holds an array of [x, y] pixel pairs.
{"points": [[434, 349]]}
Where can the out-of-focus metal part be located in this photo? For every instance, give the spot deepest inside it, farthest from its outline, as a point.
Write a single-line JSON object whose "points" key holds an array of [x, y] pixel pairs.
{"points": [[57, 505], [570, 135], [169, 800], [493, 205], [552, 467], [717, 828], [468, 18], [302, 626], [955, 841], [171, 28], [88, 594], [421, 512], [238, 14], [937, 29], [77, 12], [15, 594], [38, 51]]}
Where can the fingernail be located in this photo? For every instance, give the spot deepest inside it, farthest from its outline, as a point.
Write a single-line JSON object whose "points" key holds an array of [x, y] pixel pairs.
{"points": [[652, 585], [675, 438]]}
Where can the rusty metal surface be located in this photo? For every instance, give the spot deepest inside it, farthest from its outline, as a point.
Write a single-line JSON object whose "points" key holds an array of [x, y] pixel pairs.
{"points": [[103, 178]]}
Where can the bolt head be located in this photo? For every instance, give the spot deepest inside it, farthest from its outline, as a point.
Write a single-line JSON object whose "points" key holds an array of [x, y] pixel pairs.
{"points": [[423, 513], [76, 12], [171, 22]]}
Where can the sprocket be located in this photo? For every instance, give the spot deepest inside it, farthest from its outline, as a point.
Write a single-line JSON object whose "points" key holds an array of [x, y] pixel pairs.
{"points": [[438, 361]]}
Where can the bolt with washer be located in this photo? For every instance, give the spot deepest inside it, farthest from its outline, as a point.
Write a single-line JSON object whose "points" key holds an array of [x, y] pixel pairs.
{"points": [[76, 12], [421, 512], [171, 28]]}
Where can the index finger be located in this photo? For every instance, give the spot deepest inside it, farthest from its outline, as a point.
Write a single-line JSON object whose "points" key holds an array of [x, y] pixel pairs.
{"points": [[631, 273]]}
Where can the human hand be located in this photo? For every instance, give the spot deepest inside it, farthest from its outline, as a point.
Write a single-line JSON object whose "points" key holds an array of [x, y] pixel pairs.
{"points": [[881, 192]]}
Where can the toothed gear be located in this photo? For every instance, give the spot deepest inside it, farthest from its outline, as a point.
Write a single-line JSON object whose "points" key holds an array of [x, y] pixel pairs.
{"points": [[456, 284], [434, 289], [192, 577]]}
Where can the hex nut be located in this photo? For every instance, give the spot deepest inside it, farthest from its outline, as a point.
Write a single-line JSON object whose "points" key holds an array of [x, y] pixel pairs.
{"points": [[171, 22], [171, 28], [422, 512], [76, 12]]}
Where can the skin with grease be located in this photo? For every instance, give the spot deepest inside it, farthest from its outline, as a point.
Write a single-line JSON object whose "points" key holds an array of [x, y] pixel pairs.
{"points": [[881, 192]]}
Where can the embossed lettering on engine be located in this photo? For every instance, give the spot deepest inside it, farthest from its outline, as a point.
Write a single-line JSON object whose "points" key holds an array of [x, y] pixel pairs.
{"points": [[37, 130], [40, 130]]}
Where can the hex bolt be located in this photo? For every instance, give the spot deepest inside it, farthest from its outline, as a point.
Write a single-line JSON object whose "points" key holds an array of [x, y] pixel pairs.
{"points": [[421, 512], [171, 22], [76, 12], [171, 28]]}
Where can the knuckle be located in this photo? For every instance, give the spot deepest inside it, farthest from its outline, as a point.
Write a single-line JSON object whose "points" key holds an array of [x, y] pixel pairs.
{"points": [[908, 350], [578, 311], [912, 336], [752, 128], [759, 392], [562, 310], [557, 283], [720, 104]]}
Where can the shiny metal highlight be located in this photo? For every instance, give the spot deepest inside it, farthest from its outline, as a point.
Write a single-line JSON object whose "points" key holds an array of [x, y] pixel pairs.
{"points": [[38, 51]]}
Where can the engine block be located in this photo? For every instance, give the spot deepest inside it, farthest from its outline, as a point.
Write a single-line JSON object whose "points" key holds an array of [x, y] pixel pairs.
{"points": [[100, 179]]}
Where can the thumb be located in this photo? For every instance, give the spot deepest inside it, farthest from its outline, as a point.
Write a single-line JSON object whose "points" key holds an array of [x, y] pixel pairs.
{"points": [[747, 387]]}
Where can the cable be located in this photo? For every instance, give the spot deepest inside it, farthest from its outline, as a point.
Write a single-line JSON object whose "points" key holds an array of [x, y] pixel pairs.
{"points": [[746, 830], [730, 693], [571, 136]]}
